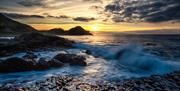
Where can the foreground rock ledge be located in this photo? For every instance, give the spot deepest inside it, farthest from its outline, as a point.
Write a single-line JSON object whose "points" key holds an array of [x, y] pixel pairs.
{"points": [[29, 62], [33, 41], [168, 82]]}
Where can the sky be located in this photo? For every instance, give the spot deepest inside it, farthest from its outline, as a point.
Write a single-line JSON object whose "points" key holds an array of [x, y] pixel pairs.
{"points": [[95, 15]]}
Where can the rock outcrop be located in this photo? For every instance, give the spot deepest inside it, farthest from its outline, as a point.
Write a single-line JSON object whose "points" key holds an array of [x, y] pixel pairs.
{"points": [[9, 26], [40, 40], [72, 59], [78, 30], [15, 64], [31, 62], [55, 63], [32, 41], [56, 31]]}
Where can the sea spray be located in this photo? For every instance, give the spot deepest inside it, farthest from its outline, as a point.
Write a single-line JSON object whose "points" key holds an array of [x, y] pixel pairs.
{"points": [[133, 58]]}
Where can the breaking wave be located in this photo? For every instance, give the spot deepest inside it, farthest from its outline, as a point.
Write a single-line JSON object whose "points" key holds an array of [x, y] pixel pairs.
{"points": [[132, 57]]}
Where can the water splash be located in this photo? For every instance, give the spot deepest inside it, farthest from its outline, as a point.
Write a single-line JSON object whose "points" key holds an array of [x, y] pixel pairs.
{"points": [[133, 57]]}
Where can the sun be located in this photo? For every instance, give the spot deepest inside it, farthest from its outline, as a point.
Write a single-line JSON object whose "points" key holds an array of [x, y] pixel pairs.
{"points": [[95, 28]]}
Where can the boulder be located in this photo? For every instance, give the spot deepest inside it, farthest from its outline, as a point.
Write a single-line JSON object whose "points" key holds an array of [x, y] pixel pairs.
{"points": [[15, 64], [9, 26], [30, 55], [55, 63], [88, 52], [72, 59], [42, 64]]}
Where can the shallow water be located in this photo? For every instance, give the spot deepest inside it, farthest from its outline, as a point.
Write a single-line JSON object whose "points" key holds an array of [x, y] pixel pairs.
{"points": [[113, 57]]}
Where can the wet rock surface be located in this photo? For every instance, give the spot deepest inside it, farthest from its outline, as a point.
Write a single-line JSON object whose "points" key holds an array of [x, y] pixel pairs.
{"points": [[72, 59], [33, 41], [30, 55], [55, 63], [168, 82], [30, 61], [15, 64]]}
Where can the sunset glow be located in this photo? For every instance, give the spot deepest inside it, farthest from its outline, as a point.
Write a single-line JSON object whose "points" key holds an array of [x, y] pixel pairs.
{"points": [[89, 45], [123, 27], [94, 15], [95, 27]]}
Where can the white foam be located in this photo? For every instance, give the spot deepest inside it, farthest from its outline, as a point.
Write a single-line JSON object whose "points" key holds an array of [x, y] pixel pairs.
{"points": [[134, 58]]}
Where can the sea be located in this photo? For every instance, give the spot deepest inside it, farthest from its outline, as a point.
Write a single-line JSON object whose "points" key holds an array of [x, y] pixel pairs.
{"points": [[111, 57]]}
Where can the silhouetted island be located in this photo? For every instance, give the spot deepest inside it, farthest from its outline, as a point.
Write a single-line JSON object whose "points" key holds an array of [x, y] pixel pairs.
{"points": [[58, 31], [9, 27], [78, 30]]}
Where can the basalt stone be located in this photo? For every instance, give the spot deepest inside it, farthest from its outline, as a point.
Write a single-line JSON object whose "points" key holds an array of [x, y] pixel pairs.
{"points": [[55, 63], [15, 64], [30, 55], [74, 84], [72, 59], [42, 64], [88, 52]]}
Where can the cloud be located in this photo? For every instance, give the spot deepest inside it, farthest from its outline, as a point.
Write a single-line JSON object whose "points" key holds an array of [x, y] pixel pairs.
{"points": [[83, 19], [50, 3], [31, 3], [93, 1], [61, 16], [105, 10], [96, 7], [143, 10], [22, 16]]}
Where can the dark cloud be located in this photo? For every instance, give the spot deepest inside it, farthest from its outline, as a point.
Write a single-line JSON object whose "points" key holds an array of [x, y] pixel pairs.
{"points": [[146, 10], [83, 19], [31, 3], [2, 8], [61, 16], [113, 7], [21, 16], [93, 1], [95, 7]]}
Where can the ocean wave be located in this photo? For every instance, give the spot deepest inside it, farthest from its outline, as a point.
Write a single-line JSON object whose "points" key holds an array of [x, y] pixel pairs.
{"points": [[132, 57]]}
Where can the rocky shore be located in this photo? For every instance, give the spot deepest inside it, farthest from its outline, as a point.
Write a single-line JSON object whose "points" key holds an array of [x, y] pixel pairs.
{"points": [[33, 41], [36, 41], [168, 82], [30, 62]]}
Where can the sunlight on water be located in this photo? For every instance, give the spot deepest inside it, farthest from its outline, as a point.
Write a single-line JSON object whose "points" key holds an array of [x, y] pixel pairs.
{"points": [[111, 58]]}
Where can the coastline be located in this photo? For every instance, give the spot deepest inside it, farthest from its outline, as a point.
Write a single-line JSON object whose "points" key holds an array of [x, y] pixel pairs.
{"points": [[167, 82]]}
